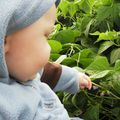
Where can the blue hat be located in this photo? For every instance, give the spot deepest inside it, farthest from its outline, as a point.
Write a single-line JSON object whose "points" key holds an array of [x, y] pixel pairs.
{"points": [[28, 12]]}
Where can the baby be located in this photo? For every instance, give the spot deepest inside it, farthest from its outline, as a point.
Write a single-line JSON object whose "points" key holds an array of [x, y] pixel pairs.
{"points": [[26, 76]]}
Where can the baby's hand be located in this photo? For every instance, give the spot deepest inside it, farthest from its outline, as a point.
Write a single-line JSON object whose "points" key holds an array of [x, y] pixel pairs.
{"points": [[85, 81]]}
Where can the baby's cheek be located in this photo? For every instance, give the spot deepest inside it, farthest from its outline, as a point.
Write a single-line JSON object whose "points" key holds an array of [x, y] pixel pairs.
{"points": [[48, 50], [44, 54]]}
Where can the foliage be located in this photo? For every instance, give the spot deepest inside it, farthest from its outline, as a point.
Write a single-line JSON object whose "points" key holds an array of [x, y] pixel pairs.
{"points": [[87, 37]]}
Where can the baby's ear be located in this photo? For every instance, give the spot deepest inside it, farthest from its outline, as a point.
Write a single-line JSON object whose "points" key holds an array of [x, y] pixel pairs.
{"points": [[6, 43]]}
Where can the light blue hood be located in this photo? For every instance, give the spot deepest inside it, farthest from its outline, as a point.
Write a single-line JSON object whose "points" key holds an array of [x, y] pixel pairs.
{"points": [[14, 15]]}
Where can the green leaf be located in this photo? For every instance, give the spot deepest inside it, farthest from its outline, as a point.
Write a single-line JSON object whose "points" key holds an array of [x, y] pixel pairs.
{"points": [[66, 36], [67, 99], [69, 62], [107, 2], [100, 74], [116, 112], [108, 35], [103, 9], [95, 33], [111, 35], [68, 7], [72, 9], [85, 62], [55, 46], [111, 12], [116, 81], [115, 55], [63, 6], [99, 64], [92, 113], [88, 27], [85, 24], [117, 65], [54, 56], [86, 5], [80, 100], [85, 57], [86, 53], [104, 46]]}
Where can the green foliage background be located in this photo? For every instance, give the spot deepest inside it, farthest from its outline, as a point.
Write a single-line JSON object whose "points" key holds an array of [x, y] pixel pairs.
{"points": [[88, 33]]}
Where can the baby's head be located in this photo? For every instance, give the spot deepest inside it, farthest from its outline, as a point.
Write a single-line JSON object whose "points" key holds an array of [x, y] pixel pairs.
{"points": [[27, 49]]}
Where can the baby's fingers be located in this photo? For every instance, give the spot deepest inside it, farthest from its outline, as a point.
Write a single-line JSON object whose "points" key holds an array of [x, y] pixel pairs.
{"points": [[89, 84]]}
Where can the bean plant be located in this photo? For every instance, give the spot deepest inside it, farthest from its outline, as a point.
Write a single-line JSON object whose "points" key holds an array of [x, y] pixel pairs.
{"points": [[87, 37]]}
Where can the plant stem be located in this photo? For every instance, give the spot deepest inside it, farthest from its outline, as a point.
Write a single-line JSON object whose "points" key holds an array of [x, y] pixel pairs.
{"points": [[107, 90]]}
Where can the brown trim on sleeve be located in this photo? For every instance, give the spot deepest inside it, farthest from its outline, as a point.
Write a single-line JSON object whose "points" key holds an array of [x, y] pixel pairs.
{"points": [[51, 74]]}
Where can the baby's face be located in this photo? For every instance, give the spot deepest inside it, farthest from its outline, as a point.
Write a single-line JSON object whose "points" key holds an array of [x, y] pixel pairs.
{"points": [[27, 50]]}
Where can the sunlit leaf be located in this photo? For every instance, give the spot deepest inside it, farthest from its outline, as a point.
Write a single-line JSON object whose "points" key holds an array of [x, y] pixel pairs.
{"points": [[55, 46], [115, 55], [104, 46]]}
